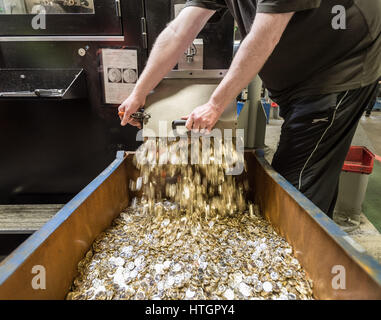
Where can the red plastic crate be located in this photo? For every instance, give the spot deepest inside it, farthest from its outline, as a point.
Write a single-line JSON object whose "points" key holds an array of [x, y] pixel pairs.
{"points": [[360, 160]]}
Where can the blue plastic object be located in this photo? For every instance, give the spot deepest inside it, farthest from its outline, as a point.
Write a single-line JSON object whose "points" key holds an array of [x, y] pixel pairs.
{"points": [[377, 105], [266, 107], [239, 107]]}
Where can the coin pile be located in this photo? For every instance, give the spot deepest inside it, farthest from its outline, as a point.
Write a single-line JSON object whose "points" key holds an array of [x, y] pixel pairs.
{"points": [[190, 235]]}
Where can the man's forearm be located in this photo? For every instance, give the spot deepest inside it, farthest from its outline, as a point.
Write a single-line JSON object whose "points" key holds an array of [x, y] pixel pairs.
{"points": [[164, 55], [170, 45], [251, 56]]}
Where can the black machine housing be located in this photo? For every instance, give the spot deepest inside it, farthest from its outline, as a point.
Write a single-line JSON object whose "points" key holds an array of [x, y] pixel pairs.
{"points": [[53, 145]]}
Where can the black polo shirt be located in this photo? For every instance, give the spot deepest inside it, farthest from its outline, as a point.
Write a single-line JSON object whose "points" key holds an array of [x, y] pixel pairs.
{"points": [[312, 56]]}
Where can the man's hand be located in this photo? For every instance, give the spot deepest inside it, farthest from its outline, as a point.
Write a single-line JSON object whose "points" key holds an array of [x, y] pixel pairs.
{"points": [[203, 118], [265, 33], [132, 104], [169, 47]]}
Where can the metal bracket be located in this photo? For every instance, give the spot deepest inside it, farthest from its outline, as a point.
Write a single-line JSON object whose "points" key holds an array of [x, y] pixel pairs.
{"points": [[197, 74], [143, 23], [141, 116], [117, 7]]}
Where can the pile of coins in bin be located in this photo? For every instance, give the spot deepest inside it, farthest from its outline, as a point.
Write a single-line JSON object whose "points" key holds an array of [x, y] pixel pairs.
{"points": [[190, 234]]}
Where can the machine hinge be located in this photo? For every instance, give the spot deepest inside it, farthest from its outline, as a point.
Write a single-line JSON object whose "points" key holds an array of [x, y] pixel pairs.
{"points": [[117, 7], [144, 32]]}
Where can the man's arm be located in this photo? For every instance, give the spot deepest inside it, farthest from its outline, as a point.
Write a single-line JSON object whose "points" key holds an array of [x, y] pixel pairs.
{"points": [[167, 50], [255, 49]]}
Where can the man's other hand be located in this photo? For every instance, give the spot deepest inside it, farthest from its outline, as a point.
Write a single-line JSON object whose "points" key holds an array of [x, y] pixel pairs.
{"points": [[203, 118], [132, 104]]}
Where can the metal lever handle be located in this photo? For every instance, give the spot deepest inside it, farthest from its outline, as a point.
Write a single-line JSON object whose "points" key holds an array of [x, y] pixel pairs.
{"points": [[41, 93], [141, 116], [18, 94], [48, 92], [178, 123]]}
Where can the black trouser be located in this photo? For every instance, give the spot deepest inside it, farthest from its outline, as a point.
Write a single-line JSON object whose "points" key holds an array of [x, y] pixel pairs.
{"points": [[315, 139]]}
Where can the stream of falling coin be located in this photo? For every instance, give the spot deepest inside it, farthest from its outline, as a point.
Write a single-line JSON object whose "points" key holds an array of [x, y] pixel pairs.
{"points": [[190, 234]]}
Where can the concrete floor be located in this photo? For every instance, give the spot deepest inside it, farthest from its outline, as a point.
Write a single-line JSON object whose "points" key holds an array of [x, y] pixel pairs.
{"points": [[368, 134]]}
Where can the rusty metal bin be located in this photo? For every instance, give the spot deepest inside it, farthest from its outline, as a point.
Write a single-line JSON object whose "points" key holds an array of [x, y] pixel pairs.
{"points": [[319, 244]]}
